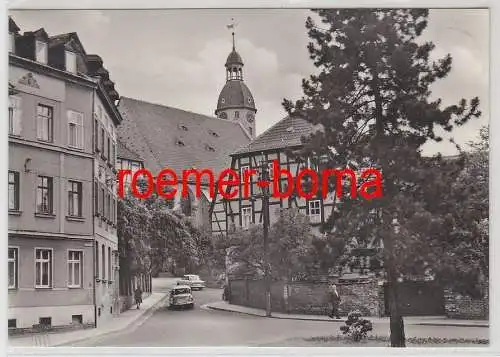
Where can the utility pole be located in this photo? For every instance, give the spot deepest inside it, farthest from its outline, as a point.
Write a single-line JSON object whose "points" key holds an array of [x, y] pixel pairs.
{"points": [[265, 210]]}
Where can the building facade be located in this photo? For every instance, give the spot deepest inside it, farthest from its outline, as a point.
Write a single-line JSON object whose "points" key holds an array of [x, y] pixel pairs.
{"points": [[52, 157], [106, 119], [50, 185]]}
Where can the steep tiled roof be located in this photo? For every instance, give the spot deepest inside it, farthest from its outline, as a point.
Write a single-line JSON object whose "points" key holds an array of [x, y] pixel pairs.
{"points": [[285, 133], [124, 152], [169, 137]]}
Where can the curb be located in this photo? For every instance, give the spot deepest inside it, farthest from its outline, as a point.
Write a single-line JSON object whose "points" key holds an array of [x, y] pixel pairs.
{"points": [[451, 324], [207, 306], [141, 318]]}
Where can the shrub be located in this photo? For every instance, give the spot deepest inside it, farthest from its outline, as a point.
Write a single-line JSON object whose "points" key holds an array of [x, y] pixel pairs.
{"points": [[356, 327]]}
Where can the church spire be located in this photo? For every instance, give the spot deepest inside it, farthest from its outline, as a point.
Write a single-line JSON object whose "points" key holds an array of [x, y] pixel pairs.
{"points": [[234, 63]]}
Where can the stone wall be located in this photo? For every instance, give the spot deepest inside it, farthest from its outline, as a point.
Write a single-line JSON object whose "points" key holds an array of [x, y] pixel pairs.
{"points": [[458, 306], [308, 297]]}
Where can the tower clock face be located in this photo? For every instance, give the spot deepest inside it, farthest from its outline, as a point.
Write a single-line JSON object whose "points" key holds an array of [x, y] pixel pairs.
{"points": [[250, 117]]}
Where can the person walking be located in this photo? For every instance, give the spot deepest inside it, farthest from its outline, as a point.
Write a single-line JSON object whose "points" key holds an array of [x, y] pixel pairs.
{"points": [[138, 297], [334, 298]]}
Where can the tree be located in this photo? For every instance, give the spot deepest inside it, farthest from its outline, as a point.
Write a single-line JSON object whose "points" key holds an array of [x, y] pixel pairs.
{"points": [[372, 99], [293, 250], [151, 232]]}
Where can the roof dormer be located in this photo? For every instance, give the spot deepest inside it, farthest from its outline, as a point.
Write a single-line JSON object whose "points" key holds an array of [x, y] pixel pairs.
{"points": [[13, 33], [41, 41]]}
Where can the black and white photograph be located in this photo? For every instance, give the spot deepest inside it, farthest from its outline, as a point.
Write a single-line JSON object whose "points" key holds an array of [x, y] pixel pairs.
{"points": [[251, 177]]}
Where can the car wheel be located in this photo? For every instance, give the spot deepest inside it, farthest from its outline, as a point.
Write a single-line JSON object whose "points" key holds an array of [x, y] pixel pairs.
{"points": [[190, 306]]}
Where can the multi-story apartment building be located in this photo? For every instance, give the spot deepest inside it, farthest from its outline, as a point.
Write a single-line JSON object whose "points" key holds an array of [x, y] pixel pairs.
{"points": [[53, 94]]}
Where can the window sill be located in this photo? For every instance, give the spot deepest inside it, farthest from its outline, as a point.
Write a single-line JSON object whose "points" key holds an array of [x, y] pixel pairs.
{"points": [[43, 287], [75, 219], [75, 148], [45, 141], [12, 288], [15, 135], [74, 287], [97, 280], [15, 213], [45, 215]]}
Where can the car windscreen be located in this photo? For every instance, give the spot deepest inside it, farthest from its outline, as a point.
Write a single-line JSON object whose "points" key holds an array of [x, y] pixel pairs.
{"points": [[181, 291]]}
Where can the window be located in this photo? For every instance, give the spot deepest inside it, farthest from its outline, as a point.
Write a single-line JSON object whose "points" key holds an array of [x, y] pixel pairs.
{"points": [[242, 172], [75, 268], [135, 167], [103, 198], [12, 267], [112, 154], [109, 264], [13, 191], [12, 44], [70, 62], [77, 319], [12, 323], [103, 257], [96, 198], [74, 199], [96, 261], [237, 114], [96, 135], [44, 115], [45, 321], [43, 268], [108, 204], [315, 211], [75, 129], [246, 217], [41, 52], [112, 211], [270, 170], [102, 142], [44, 195], [14, 115], [108, 151]]}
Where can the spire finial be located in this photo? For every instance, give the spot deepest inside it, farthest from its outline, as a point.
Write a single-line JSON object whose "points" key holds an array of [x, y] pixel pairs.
{"points": [[232, 26]]}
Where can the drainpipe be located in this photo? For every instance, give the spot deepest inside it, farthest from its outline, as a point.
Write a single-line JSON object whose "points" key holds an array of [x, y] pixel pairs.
{"points": [[94, 246]]}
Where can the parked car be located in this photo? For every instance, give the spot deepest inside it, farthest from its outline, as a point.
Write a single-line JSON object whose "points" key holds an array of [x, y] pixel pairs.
{"points": [[181, 296], [192, 281]]}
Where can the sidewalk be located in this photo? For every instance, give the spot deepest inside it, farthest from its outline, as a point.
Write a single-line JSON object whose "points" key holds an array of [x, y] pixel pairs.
{"points": [[411, 320], [115, 324]]}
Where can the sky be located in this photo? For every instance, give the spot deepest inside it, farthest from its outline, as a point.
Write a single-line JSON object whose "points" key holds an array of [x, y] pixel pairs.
{"points": [[176, 57]]}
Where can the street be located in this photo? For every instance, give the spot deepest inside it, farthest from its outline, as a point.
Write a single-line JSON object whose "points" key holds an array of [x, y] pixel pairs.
{"points": [[202, 327]]}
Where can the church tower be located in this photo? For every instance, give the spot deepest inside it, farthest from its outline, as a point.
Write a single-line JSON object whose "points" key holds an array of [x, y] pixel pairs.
{"points": [[235, 100]]}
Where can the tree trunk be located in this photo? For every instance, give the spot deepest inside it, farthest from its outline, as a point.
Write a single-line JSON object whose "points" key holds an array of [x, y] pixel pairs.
{"points": [[396, 320]]}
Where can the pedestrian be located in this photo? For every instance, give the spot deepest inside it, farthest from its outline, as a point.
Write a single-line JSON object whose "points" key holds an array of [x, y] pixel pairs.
{"points": [[138, 297], [334, 298]]}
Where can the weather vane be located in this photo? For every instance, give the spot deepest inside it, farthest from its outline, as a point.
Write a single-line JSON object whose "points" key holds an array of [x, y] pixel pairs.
{"points": [[232, 26]]}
